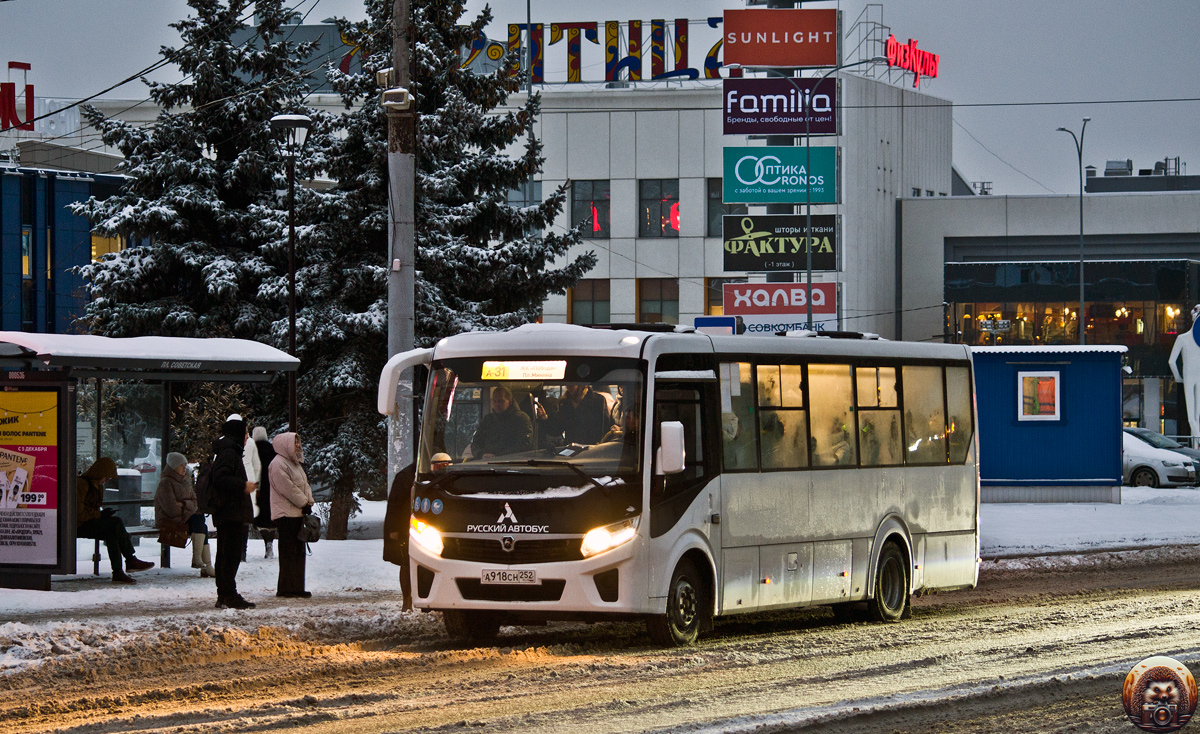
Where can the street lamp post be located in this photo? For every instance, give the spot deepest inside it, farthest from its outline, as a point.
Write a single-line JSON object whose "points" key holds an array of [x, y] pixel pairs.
{"points": [[290, 132], [808, 182], [1082, 324]]}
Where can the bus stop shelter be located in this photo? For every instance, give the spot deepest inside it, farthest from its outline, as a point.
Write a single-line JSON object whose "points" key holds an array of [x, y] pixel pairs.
{"points": [[57, 416]]}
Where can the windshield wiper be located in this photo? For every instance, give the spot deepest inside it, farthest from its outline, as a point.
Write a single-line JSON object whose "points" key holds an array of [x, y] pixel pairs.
{"points": [[552, 462], [454, 474]]}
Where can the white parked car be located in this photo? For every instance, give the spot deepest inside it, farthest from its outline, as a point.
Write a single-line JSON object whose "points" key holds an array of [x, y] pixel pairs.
{"points": [[1145, 466]]}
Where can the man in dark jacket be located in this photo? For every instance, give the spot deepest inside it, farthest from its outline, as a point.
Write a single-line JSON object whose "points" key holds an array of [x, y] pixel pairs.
{"points": [[395, 528], [232, 509], [582, 417], [506, 430]]}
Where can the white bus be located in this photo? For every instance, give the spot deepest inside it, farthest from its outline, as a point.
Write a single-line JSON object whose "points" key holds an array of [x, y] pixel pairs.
{"points": [[775, 472]]}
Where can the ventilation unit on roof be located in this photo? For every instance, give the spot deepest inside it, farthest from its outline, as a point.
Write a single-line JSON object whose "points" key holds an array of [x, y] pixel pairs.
{"points": [[1119, 168]]}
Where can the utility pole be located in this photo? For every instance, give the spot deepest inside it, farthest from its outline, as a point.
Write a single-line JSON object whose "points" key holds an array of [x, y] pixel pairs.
{"points": [[402, 148]]}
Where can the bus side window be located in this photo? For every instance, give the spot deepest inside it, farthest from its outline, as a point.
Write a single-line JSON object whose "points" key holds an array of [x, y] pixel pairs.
{"points": [[879, 441], [783, 431], [737, 416], [831, 394], [924, 415], [961, 428]]}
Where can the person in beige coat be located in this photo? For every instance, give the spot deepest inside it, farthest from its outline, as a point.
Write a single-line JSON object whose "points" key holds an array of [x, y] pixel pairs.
{"points": [[291, 500], [175, 499]]}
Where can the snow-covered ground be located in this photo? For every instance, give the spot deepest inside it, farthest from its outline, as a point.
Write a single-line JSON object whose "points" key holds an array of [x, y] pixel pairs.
{"points": [[357, 590]]}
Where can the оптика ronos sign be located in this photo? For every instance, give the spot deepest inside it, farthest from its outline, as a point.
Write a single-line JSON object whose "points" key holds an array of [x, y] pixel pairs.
{"points": [[782, 174]]}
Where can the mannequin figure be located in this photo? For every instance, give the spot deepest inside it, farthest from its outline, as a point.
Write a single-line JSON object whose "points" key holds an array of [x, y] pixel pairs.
{"points": [[1187, 346]]}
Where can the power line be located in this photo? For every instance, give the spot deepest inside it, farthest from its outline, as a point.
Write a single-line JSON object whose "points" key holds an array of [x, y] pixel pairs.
{"points": [[153, 67], [981, 145]]}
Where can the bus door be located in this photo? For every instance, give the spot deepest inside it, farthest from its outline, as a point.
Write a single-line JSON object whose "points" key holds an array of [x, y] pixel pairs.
{"points": [[682, 501]]}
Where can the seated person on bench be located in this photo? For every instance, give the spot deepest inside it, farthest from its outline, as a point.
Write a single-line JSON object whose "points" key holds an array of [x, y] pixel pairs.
{"points": [[103, 524]]}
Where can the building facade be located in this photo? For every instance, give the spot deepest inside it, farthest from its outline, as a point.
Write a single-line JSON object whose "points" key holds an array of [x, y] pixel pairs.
{"points": [[1011, 277], [644, 168]]}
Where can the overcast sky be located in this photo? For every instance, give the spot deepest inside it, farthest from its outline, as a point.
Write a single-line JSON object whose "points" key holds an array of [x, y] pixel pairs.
{"points": [[1109, 56]]}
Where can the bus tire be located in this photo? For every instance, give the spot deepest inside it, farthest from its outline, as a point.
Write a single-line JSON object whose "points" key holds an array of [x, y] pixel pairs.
{"points": [[474, 626], [680, 626], [891, 599]]}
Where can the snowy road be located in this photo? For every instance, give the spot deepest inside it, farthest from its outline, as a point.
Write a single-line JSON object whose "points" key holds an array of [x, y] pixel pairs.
{"points": [[1039, 646]]}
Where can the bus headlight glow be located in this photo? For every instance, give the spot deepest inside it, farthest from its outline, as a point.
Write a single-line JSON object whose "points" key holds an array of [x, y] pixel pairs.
{"points": [[427, 536], [608, 537]]}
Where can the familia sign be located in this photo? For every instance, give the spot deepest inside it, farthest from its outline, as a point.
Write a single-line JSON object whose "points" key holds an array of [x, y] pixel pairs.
{"points": [[780, 105], [780, 174], [767, 308], [763, 242]]}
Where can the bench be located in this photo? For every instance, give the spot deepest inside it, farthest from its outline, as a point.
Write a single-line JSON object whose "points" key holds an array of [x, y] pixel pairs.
{"points": [[137, 531]]}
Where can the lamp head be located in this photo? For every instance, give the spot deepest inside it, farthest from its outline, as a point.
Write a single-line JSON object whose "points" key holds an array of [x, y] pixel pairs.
{"points": [[1062, 130], [290, 132], [1087, 119]]}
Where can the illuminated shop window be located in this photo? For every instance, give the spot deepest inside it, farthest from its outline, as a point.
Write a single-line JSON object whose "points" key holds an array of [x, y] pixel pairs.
{"points": [[589, 207], [658, 207]]}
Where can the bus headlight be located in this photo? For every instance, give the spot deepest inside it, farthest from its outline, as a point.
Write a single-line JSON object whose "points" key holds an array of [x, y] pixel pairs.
{"points": [[427, 536], [608, 537]]}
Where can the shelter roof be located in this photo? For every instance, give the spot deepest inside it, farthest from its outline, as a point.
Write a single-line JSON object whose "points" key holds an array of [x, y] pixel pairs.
{"points": [[145, 357]]}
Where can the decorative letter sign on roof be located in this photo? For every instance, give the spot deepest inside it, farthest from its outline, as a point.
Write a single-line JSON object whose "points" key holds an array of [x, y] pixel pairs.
{"points": [[908, 56], [781, 37]]}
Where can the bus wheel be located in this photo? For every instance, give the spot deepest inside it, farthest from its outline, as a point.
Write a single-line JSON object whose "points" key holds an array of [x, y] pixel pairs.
{"points": [[680, 626], [891, 586], [469, 625]]}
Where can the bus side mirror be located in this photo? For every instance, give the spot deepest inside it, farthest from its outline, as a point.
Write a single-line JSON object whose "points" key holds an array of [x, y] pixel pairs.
{"points": [[671, 453]]}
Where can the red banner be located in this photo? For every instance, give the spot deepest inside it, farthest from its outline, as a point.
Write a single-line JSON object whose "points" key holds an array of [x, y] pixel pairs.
{"points": [[781, 37], [752, 299]]}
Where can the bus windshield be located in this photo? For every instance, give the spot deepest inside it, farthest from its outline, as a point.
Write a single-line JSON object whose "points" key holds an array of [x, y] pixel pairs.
{"points": [[542, 422]]}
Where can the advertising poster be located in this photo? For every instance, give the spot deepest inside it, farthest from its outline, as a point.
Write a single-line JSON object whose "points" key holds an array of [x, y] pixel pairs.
{"points": [[767, 308], [781, 37], [29, 499], [765, 242], [780, 106], [779, 174]]}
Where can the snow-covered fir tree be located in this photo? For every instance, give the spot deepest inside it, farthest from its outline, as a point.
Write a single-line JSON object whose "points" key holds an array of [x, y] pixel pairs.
{"points": [[202, 201], [200, 209], [481, 263]]}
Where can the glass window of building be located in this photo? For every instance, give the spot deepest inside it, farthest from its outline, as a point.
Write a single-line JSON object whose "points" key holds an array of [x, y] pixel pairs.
{"points": [[658, 300], [589, 207], [527, 194], [590, 302], [714, 299], [717, 208], [658, 207], [102, 245]]}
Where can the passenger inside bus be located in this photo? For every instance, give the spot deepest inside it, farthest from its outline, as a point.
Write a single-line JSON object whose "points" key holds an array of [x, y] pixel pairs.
{"points": [[582, 416], [505, 430]]}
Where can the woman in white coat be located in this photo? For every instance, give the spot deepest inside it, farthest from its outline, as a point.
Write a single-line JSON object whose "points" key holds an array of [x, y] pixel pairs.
{"points": [[291, 500]]}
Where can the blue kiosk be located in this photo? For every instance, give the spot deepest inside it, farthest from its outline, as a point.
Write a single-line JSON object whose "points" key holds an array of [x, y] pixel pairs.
{"points": [[1049, 423]]}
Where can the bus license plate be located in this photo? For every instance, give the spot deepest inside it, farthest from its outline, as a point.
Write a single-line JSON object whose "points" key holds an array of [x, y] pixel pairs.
{"points": [[507, 576]]}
